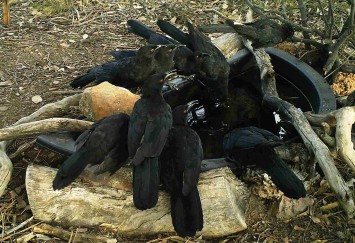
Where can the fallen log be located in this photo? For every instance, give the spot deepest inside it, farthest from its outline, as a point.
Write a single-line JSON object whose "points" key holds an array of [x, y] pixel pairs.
{"points": [[108, 201]]}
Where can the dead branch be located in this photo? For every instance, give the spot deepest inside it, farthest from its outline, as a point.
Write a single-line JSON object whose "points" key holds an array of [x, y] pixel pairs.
{"points": [[43, 126], [22, 149], [346, 35], [56, 109], [303, 12], [309, 137], [261, 11], [344, 119], [70, 236], [8, 232]]}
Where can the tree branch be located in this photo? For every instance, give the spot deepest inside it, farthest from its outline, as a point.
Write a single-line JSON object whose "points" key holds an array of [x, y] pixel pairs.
{"points": [[43, 126], [303, 12]]}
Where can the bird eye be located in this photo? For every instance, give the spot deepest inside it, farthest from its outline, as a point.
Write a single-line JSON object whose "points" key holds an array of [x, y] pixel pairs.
{"points": [[161, 81]]}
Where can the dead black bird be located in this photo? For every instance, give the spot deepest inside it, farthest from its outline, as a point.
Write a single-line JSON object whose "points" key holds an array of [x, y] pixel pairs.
{"points": [[180, 168], [126, 72], [104, 142], [149, 126], [252, 145], [213, 69]]}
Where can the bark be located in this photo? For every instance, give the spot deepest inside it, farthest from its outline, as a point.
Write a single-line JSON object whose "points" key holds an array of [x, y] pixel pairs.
{"points": [[44, 126], [108, 201]]}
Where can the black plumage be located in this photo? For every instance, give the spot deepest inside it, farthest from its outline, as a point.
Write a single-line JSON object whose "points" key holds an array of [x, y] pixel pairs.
{"points": [[252, 145], [180, 168], [123, 54], [213, 69], [185, 59], [263, 32], [147, 33], [126, 72], [175, 33], [149, 126], [164, 58], [104, 142]]}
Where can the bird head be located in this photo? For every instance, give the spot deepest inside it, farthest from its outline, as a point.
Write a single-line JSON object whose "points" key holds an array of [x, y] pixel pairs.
{"points": [[154, 83], [163, 52], [147, 51], [180, 112], [288, 30]]}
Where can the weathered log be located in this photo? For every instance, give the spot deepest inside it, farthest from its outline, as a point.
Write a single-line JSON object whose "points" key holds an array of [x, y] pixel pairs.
{"points": [[107, 201], [56, 109], [228, 44], [301, 124], [44, 126]]}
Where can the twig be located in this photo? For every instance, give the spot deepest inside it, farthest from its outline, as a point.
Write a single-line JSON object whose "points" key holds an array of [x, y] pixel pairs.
{"points": [[275, 16], [66, 92], [43, 126], [66, 235], [21, 149], [303, 12], [19, 232], [307, 41], [8, 232], [341, 41], [331, 17], [216, 12]]}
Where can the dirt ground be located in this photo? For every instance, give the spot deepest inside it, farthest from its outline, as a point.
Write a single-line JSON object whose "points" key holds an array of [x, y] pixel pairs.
{"points": [[45, 47]]}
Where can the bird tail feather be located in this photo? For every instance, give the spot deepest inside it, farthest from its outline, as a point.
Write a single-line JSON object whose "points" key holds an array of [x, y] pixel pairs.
{"points": [[71, 169], [139, 29], [186, 213], [83, 80], [146, 184], [283, 177], [174, 32]]}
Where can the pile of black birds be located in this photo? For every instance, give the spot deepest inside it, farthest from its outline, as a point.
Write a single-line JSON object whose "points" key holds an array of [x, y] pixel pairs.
{"points": [[159, 142]]}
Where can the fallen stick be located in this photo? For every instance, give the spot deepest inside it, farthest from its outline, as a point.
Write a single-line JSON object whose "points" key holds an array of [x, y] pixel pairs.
{"points": [[44, 126], [70, 236], [342, 119], [8, 232], [56, 109]]}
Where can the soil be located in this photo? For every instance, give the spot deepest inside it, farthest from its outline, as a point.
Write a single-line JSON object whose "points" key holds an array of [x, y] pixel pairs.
{"points": [[44, 48]]}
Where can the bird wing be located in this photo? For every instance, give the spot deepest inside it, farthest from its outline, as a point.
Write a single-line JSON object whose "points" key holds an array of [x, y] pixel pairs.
{"points": [[155, 135], [85, 136], [192, 163], [248, 30], [123, 54]]}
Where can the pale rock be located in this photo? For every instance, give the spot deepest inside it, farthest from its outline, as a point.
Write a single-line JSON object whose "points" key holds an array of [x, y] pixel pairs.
{"points": [[106, 99], [37, 99], [289, 208]]}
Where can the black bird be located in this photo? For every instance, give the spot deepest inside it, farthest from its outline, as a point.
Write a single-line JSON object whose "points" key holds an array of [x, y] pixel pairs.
{"points": [[185, 59], [104, 142], [263, 32], [149, 126], [164, 58], [126, 72], [252, 145], [123, 54], [180, 168], [212, 70]]}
